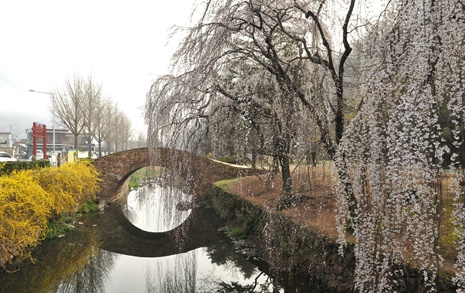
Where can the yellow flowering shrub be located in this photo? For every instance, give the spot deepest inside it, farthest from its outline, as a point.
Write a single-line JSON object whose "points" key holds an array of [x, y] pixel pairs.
{"points": [[24, 211], [86, 182], [69, 186], [28, 198]]}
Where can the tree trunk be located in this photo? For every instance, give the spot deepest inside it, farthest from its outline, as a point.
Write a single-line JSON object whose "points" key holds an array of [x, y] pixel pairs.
{"points": [[99, 149], [344, 178], [283, 147], [339, 114], [254, 159], [339, 119], [89, 147], [286, 200], [286, 176], [76, 141], [343, 173]]}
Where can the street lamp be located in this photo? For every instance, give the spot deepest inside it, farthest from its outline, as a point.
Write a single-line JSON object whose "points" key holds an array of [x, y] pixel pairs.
{"points": [[53, 115]]}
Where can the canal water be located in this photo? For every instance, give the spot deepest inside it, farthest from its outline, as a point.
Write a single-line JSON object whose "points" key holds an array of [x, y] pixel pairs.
{"points": [[152, 242]]}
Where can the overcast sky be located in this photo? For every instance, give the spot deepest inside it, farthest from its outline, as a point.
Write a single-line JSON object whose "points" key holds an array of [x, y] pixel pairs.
{"points": [[123, 44]]}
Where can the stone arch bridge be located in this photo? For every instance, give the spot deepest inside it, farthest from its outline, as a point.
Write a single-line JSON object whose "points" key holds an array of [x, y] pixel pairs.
{"points": [[199, 172]]}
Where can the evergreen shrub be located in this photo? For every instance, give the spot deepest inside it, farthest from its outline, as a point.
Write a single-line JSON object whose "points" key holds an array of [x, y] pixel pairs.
{"points": [[8, 167]]}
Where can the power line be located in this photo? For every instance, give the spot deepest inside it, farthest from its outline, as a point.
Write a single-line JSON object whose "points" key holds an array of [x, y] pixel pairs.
{"points": [[10, 83]]}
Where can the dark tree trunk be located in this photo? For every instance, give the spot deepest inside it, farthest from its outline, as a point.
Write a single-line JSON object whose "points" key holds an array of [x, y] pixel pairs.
{"points": [[286, 176], [99, 149], [286, 200], [339, 119], [283, 147], [76, 141]]}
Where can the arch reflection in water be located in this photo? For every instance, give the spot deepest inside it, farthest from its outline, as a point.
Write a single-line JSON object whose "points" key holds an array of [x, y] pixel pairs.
{"points": [[154, 208]]}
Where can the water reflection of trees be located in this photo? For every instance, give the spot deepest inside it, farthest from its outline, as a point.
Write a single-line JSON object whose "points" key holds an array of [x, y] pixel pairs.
{"points": [[253, 286], [178, 274], [221, 255], [93, 276], [254, 279], [157, 206], [75, 259]]}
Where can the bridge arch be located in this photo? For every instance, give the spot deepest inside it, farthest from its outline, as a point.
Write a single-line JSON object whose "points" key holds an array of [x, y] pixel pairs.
{"points": [[199, 172]]}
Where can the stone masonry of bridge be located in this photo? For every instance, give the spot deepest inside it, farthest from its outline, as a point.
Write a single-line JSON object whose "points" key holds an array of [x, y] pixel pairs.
{"points": [[198, 172]]}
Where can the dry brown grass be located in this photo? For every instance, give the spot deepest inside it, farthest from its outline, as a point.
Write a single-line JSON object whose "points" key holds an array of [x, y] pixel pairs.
{"points": [[313, 187]]}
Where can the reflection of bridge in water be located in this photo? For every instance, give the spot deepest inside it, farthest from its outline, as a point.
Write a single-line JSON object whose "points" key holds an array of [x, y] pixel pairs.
{"points": [[197, 231], [198, 172], [119, 235]]}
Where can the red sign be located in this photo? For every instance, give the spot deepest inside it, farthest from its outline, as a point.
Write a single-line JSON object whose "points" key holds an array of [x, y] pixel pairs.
{"points": [[39, 130]]}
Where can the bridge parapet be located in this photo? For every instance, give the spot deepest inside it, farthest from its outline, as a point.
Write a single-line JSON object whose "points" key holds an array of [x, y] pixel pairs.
{"points": [[199, 172]]}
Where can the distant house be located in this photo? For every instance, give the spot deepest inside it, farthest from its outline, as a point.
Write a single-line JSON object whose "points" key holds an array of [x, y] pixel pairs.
{"points": [[6, 144], [5, 140], [20, 148]]}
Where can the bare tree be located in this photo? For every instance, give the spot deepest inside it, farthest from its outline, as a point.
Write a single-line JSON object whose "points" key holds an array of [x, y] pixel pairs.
{"points": [[118, 129], [125, 131], [111, 127], [69, 105], [138, 141], [101, 122], [80, 106], [91, 112]]}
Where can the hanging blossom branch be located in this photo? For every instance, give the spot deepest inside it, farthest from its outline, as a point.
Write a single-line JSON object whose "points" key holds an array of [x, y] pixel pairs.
{"points": [[395, 148]]}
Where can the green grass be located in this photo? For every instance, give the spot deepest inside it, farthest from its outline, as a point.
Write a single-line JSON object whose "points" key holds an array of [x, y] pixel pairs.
{"points": [[136, 177], [224, 184], [448, 231], [285, 250], [61, 224], [228, 159], [237, 232], [57, 228], [88, 207], [133, 182]]}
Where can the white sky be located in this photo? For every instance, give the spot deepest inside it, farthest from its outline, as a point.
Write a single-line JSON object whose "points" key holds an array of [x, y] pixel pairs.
{"points": [[121, 43]]}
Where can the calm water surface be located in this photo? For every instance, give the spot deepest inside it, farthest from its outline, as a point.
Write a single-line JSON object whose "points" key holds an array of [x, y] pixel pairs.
{"points": [[152, 244]]}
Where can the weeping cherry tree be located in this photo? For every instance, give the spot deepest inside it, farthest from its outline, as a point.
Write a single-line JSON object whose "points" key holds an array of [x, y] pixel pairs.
{"points": [[258, 68], [395, 148]]}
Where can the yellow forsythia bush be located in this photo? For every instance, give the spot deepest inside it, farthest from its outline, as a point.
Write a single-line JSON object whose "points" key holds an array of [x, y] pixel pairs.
{"points": [[29, 198], [24, 211], [69, 186]]}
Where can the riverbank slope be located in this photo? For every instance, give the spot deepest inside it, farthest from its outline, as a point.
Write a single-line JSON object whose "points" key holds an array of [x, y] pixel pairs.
{"points": [[291, 241]]}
